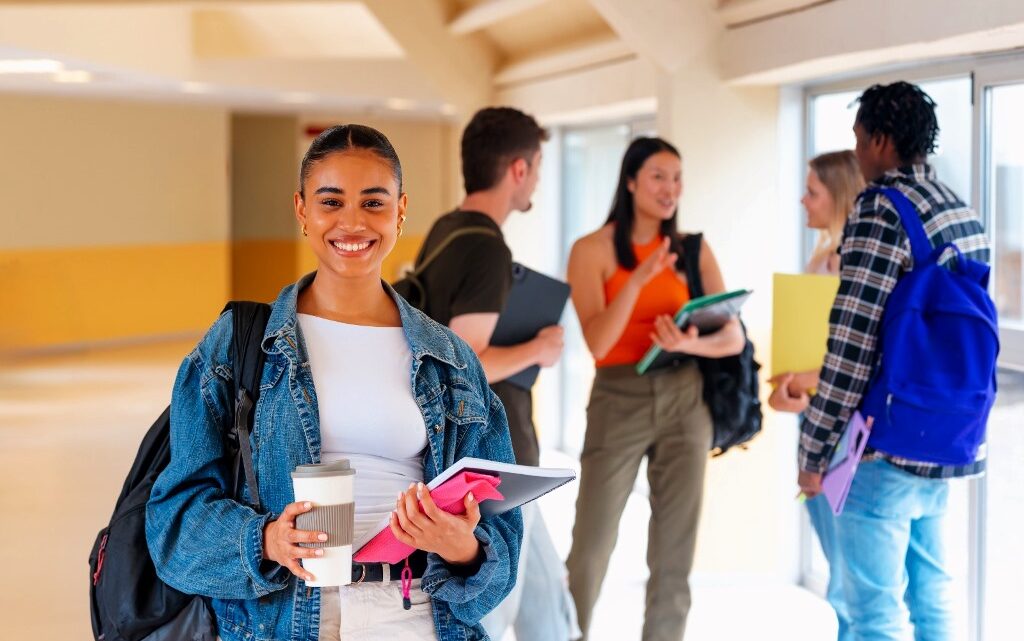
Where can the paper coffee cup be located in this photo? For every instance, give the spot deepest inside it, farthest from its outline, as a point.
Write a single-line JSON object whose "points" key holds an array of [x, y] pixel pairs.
{"points": [[329, 487]]}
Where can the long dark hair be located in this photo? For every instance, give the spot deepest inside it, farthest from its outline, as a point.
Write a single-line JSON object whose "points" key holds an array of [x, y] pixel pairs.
{"points": [[622, 212]]}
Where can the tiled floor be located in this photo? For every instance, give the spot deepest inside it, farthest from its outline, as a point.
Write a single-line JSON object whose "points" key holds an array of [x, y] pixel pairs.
{"points": [[70, 425]]}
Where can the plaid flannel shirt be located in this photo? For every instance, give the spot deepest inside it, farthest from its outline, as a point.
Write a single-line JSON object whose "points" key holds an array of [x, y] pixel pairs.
{"points": [[875, 252]]}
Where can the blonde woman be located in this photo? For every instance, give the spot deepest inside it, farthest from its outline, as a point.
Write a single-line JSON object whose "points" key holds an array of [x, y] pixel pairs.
{"points": [[833, 182]]}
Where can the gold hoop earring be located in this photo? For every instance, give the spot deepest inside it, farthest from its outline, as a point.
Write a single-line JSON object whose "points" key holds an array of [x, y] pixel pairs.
{"points": [[304, 230], [399, 231]]}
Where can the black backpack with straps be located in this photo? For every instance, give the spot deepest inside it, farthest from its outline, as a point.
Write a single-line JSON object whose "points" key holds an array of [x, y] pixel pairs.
{"points": [[128, 601], [731, 386], [411, 288]]}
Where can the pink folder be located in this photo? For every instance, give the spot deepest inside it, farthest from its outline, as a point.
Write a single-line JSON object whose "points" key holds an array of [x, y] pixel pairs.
{"points": [[837, 480], [450, 497]]}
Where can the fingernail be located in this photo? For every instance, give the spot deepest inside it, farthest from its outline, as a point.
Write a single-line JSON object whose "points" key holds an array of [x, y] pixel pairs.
{"points": [[471, 497], [319, 553], [321, 536], [307, 505]]}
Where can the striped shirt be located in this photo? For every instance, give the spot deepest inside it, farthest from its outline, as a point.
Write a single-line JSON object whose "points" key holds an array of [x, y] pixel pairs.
{"points": [[875, 252]]}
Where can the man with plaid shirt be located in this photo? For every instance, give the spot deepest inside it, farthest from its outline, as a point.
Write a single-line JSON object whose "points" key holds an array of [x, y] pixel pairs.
{"points": [[890, 532]]}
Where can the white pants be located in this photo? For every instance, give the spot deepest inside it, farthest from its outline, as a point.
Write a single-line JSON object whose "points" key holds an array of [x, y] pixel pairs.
{"points": [[539, 607], [365, 611]]}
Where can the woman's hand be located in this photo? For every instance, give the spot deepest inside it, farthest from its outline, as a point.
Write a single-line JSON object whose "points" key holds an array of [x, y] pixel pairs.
{"points": [[280, 539], [656, 263], [727, 341], [782, 399], [670, 338], [434, 530], [798, 382]]}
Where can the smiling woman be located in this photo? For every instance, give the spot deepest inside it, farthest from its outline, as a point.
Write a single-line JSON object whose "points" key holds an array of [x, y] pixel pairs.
{"points": [[366, 375], [352, 219]]}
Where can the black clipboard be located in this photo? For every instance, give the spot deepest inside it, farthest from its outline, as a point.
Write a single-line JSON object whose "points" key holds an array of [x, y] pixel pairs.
{"points": [[534, 302]]}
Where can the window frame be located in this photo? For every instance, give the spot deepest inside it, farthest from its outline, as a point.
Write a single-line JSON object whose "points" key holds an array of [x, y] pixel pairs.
{"points": [[986, 72]]}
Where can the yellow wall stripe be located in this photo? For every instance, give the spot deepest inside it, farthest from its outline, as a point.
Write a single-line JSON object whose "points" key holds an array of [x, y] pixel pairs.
{"points": [[54, 297], [87, 294]]}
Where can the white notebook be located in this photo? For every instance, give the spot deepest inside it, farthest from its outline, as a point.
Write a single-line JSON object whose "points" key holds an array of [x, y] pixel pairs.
{"points": [[520, 484]]}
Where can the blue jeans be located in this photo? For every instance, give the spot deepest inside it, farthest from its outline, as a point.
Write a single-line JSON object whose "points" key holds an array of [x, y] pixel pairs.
{"points": [[890, 534], [824, 523]]}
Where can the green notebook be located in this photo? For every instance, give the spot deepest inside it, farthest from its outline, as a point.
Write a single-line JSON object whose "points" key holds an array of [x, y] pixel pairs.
{"points": [[708, 313]]}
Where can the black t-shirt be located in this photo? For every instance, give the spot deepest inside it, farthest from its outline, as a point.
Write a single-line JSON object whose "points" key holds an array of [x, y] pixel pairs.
{"points": [[473, 275]]}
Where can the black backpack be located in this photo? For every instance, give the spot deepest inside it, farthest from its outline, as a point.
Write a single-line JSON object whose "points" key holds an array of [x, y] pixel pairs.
{"points": [[731, 386], [411, 288], [128, 601]]}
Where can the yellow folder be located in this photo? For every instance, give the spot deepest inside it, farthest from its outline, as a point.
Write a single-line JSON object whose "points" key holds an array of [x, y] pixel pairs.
{"points": [[800, 310]]}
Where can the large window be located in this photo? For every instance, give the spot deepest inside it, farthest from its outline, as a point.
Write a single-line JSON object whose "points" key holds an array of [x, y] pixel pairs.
{"points": [[590, 171], [1002, 586], [986, 515], [1006, 182]]}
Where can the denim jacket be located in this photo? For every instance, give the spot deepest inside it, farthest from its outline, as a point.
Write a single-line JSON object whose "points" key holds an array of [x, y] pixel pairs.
{"points": [[204, 542]]}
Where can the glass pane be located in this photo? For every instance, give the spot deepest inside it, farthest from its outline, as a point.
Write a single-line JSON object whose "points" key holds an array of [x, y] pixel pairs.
{"points": [[1007, 198], [590, 171], [832, 128], [1004, 587]]}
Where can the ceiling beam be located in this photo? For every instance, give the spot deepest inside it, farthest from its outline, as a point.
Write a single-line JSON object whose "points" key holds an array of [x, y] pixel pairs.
{"points": [[587, 54], [736, 12], [488, 13], [669, 32]]}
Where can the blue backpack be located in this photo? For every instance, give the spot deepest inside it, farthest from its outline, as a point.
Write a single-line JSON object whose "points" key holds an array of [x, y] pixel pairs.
{"points": [[936, 380]]}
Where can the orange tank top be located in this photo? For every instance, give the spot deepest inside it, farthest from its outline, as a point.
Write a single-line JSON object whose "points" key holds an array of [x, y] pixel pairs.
{"points": [[664, 294]]}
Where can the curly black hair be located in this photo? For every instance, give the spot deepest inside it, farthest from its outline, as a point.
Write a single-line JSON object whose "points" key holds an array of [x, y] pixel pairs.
{"points": [[904, 113]]}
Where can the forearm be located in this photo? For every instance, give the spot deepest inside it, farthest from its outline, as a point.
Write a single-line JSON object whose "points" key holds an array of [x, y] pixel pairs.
{"points": [[727, 341], [603, 330], [501, 362]]}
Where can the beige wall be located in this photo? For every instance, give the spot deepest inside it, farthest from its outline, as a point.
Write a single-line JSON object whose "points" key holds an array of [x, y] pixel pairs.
{"points": [[264, 175], [264, 233], [115, 219], [80, 172]]}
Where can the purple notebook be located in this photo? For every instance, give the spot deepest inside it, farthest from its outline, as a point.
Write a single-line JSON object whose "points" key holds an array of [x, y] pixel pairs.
{"points": [[836, 483]]}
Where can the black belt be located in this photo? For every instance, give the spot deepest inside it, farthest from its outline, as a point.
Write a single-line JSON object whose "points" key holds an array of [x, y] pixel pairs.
{"points": [[374, 572]]}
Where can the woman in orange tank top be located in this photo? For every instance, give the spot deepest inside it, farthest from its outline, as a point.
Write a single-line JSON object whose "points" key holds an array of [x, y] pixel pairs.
{"points": [[627, 283]]}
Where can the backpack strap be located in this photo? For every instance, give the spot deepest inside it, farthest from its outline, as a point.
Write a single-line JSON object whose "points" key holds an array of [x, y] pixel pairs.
{"points": [[249, 322], [920, 246], [449, 239], [691, 260]]}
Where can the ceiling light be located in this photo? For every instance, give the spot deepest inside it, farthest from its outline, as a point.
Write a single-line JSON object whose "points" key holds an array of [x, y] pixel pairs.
{"points": [[399, 104], [298, 97], [30, 65], [191, 86], [72, 76]]}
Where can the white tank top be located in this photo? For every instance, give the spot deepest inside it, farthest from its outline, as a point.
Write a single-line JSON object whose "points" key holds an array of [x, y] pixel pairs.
{"points": [[368, 415]]}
